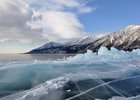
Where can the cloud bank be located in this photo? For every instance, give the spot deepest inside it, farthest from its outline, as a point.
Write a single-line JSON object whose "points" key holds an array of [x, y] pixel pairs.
{"points": [[39, 21]]}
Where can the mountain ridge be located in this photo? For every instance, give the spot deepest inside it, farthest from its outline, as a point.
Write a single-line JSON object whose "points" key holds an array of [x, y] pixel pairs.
{"points": [[126, 39]]}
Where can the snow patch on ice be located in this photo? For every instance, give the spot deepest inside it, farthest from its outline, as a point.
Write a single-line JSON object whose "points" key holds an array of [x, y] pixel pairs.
{"points": [[126, 98]]}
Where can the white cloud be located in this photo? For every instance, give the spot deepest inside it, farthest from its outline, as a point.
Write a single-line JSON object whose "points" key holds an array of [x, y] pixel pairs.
{"points": [[61, 24], [13, 18], [38, 21], [69, 3], [14, 13], [59, 18], [62, 5], [86, 9]]}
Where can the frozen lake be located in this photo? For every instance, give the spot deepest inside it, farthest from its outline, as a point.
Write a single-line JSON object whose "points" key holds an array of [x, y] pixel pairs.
{"points": [[110, 75]]}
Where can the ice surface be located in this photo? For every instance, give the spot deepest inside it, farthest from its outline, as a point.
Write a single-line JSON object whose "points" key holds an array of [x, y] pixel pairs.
{"points": [[112, 75], [124, 98]]}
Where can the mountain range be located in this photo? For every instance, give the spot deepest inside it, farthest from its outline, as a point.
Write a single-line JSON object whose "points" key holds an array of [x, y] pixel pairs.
{"points": [[126, 39]]}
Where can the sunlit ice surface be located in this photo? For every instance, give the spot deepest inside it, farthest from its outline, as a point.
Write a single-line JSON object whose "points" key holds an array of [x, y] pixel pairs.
{"points": [[106, 75]]}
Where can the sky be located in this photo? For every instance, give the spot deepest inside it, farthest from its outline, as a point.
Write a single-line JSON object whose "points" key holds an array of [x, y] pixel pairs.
{"points": [[27, 24]]}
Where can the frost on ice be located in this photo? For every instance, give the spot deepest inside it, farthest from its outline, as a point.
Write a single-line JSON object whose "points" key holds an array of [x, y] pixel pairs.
{"points": [[111, 75]]}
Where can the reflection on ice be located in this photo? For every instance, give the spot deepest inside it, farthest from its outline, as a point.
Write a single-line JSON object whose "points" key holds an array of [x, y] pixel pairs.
{"points": [[112, 75]]}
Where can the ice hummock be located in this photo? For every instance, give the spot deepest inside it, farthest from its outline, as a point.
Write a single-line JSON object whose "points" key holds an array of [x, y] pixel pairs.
{"points": [[113, 75]]}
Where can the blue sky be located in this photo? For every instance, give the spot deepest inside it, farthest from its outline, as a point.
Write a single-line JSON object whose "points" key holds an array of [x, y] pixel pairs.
{"points": [[27, 24], [111, 15]]}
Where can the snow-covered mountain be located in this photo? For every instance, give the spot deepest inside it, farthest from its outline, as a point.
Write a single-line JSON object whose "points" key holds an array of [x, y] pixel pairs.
{"points": [[126, 39], [50, 45], [84, 40]]}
